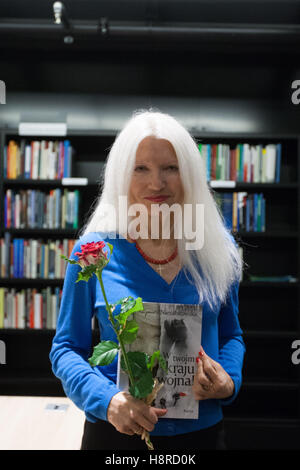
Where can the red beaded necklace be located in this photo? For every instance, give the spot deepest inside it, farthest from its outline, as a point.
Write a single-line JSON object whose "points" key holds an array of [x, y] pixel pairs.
{"points": [[154, 261]]}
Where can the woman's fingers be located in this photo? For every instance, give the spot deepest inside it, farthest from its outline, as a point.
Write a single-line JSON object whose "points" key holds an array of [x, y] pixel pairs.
{"points": [[130, 416], [202, 376], [159, 411], [146, 417], [210, 367]]}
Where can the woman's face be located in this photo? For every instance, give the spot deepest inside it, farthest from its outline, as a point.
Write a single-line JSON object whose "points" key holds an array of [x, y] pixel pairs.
{"points": [[156, 177]]}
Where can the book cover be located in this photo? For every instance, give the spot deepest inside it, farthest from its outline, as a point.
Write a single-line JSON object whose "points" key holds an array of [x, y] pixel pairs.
{"points": [[174, 330]]}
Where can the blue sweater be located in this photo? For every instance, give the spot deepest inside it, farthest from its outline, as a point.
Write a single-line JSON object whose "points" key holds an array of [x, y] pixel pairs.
{"points": [[128, 274]]}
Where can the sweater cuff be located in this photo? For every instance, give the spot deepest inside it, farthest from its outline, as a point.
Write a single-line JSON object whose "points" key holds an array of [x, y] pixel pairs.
{"points": [[100, 412], [229, 400]]}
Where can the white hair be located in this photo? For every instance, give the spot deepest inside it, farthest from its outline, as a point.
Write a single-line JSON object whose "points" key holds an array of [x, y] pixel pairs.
{"points": [[215, 266]]}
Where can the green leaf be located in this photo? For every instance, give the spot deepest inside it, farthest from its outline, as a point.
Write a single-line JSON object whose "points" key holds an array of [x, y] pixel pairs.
{"points": [[86, 273], [143, 386], [129, 333], [110, 248], [137, 362], [143, 380], [104, 353], [71, 261], [129, 306], [157, 356]]}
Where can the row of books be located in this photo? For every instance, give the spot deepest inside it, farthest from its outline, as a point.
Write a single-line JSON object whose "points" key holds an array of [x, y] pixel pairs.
{"points": [[243, 211], [32, 208], [29, 308], [38, 159], [245, 163], [33, 258]]}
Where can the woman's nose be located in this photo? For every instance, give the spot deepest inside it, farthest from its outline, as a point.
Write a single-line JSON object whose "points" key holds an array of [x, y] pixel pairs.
{"points": [[157, 181]]}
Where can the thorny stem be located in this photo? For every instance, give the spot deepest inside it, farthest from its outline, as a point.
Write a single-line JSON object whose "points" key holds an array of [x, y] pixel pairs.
{"points": [[111, 319]]}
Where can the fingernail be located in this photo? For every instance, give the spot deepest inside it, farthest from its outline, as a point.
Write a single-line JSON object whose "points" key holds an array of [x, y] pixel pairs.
{"points": [[201, 353], [197, 359]]}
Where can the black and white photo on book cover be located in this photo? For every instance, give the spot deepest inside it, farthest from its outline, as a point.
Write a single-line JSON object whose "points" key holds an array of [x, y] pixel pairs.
{"points": [[175, 330]]}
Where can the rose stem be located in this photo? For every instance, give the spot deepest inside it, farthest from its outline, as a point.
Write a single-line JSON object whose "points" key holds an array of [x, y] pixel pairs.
{"points": [[111, 318]]}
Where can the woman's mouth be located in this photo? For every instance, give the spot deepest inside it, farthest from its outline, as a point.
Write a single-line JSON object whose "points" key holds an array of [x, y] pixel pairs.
{"points": [[157, 198]]}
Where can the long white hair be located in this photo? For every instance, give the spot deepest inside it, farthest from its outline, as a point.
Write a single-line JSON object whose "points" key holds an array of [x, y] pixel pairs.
{"points": [[215, 266]]}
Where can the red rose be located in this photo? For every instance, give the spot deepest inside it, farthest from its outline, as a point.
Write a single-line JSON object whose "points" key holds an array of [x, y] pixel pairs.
{"points": [[92, 253]]}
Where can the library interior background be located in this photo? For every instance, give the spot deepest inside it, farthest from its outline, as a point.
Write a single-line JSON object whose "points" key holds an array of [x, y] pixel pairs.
{"points": [[230, 72]]}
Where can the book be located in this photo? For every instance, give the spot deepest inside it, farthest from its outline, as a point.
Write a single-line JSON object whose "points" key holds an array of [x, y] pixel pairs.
{"points": [[175, 330], [242, 163], [29, 308], [270, 163]]}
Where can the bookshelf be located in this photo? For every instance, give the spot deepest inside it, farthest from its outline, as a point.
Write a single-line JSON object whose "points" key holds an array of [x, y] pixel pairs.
{"points": [[269, 401]]}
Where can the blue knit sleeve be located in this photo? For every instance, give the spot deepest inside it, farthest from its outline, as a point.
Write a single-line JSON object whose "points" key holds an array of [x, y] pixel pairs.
{"points": [[231, 344], [87, 387]]}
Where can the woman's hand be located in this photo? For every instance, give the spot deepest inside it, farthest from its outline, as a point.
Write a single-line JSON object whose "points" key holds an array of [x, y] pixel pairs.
{"points": [[211, 380], [130, 416]]}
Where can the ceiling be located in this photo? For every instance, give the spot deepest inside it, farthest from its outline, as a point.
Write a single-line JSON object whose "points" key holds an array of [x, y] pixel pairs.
{"points": [[229, 11], [153, 25]]}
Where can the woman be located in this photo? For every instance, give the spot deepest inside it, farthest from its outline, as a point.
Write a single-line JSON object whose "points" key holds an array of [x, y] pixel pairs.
{"points": [[154, 160]]}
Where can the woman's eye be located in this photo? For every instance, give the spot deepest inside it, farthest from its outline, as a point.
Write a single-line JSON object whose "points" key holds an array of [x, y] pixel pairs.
{"points": [[172, 168], [140, 168]]}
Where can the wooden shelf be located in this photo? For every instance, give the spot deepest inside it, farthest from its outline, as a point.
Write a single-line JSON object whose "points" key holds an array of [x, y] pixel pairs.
{"points": [[31, 183], [43, 232], [257, 186], [262, 284], [22, 282]]}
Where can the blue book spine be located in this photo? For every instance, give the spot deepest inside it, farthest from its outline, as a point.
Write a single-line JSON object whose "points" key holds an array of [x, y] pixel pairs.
{"points": [[255, 212], [227, 207], [7, 241], [5, 162], [278, 163], [21, 258], [247, 214], [16, 257], [66, 158], [42, 268], [263, 214], [208, 161]]}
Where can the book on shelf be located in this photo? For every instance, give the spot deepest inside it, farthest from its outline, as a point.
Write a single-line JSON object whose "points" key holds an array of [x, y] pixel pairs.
{"points": [[74, 181], [247, 163], [33, 258], [243, 211], [29, 308], [38, 159], [175, 330], [32, 208]]}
